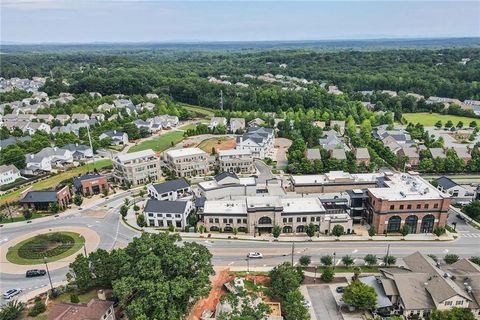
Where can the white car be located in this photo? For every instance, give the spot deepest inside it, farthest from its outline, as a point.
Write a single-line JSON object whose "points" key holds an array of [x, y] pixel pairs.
{"points": [[307, 303], [11, 293], [254, 255]]}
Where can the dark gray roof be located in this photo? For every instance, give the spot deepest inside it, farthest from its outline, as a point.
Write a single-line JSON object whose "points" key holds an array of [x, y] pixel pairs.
{"points": [[165, 206], [12, 140], [172, 185], [39, 196], [223, 175], [200, 202], [77, 181], [446, 183], [76, 147]]}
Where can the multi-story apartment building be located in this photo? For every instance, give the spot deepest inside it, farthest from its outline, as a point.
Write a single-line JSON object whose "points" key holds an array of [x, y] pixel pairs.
{"points": [[238, 161], [259, 140], [136, 168], [162, 214], [406, 199], [188, 162], [256, 215]]}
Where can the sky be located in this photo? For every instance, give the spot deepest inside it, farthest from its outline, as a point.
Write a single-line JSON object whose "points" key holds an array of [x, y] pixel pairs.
{"points": [[86, 21]]}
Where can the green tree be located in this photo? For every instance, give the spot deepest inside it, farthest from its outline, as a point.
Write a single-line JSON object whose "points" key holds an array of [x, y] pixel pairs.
{"points": [[360, 295], [438, 124], [450, 258], [370, 259], [475, 259], [27, 214], [371, 231], [433, 257], [80, 274], [123, 211], [310, 230], [285, 278], [473, 124], [13, 155], [338, 230], [53, 207], [326, 260], [438, 231], [78, 200], [277, 230], [405, 230], [141, 221], [389, 260], [449, 124], [327, 274], [454, 314], [294, 306], [472, 210], [305, 261], [11, 310], [347, 261]]}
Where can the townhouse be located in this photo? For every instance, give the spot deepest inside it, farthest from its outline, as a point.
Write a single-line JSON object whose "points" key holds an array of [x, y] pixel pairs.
{"points": [[162, 214], [188, 162], [217, 121], [237, 125], [259, 141], [461, 194], [170, 190], [136, 168], [117, 137], [235, 160]]}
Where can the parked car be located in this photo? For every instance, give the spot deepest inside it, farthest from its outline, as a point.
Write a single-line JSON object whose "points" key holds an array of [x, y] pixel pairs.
{"points": [[35, 273], [460, 217], [11, 293], [307, 303], [254, 255], [340, 289]]}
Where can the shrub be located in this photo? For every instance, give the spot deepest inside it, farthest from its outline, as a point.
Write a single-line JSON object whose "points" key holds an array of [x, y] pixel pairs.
{"points": [[450, 258], [123, 211], [372, 231], [326, 260], [389, 260], [433, 257], [370, 259], [328, 274], [136, 208], [38, 308], [475, 259], [347, 261], [74, 298], [171, 228], [305, 261], [38, 247], [438, 231], [27, 214], [141, 221], [338, 230], [78, 200], [11, 310]]}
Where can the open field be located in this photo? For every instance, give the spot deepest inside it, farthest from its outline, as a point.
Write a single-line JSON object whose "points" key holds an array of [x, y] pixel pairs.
{"points": [[159, 143], [429, 119], [14, 257], [56, 179], [199, 110], [221, 143]]}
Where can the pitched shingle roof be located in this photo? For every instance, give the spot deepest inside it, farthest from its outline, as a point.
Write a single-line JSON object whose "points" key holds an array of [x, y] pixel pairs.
{"points": [[172, 185], [165, 206]]}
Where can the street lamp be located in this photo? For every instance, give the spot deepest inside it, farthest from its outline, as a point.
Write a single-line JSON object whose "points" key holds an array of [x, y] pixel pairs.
{"points": [[334, 256], [48, 272], [248, 265]]}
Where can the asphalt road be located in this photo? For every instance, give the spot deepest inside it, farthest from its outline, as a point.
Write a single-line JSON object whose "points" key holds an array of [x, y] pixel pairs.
{"points": [[233, 252], [265, 172]]}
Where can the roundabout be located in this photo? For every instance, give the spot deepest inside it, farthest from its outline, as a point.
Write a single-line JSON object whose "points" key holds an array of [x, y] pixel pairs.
{"points": [[58, 245]]}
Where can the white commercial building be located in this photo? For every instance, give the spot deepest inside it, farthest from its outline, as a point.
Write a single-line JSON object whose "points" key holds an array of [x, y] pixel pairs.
{"points": [[238, 161], [162, 214], [227, 186], [188, 162], [170, 190], [136, 168]]}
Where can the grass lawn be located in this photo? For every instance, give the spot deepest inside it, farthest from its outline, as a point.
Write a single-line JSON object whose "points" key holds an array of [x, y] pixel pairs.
{"points": [[220, 143], [55, 180], [21, 218], [429, 119], [188, 126], [83, 297], [13, 257], [199, 110], [365, 269], [159, 143]]}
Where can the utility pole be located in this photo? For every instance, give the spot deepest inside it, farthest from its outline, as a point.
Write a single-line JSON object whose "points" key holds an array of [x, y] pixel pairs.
{"points": [[48, 272], [293, 251], [388, 253], [91, 146], [334, 262], [248, 265]]}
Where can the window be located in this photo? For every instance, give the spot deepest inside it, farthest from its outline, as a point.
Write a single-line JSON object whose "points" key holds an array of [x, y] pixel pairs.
{"points": [[392, 207], [244, 220], [224, 220], [239, 220], [419, 206], [318, 218], [459, 303], [312, 219], [435, 206], [409, 206], [284, 220], [394, 224], [401, 207], [448, 303], [230, 220], [290, 219], [304, 219], [425, 206], [210, 220], [299, 219], [216, 220]]}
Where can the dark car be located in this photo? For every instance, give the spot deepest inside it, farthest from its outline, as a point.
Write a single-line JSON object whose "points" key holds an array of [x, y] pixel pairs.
{"points": [[340, 289], [35, 273], [460, 217]]}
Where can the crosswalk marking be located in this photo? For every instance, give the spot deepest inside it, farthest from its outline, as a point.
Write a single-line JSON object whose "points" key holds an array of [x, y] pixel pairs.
{"points": [[470, 235]]}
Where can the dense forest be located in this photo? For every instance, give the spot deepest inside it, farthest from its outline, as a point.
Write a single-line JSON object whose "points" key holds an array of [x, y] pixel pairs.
{"points": [[183, 74]]}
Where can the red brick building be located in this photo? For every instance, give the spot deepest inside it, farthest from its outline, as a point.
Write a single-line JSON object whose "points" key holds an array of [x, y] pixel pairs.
{"points": [[90, 184], [406, 199], [41, 200]]}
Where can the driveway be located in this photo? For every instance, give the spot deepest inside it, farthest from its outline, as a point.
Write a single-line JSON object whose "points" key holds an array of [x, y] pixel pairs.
{"points": [[264, 172], [281, 147], [323, 303]]}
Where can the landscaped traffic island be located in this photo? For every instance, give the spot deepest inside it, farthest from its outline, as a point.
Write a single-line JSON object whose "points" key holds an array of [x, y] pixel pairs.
{"points": [[53, 246]]}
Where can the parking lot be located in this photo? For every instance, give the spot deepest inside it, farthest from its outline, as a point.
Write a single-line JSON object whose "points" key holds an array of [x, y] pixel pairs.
{"points": [[323, 302]]}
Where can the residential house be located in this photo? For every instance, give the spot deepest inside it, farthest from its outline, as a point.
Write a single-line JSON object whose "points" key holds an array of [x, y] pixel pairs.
{"points": [[237, 125], [260, 141], [188, 162], [338, 154], [12, 140], [143, 124], [164, 121], [390, 93], [71, 128], [334, 90], [8, 174], [151, 96], [331, 140], [118, 137], [47, 158], [63, 118], [313, 154], [90, 184], [125, 104], [339, 124], [226, 185], [136, 168], [80, 117], [460, 194], [97, 116], [217, 121], [105, 107], [162, 214], [47, 118], [320, 124], [79, 151], [406, 199], [93, 310], [257, 122], [239, 161], [425, 285], [362, 156], [463, 153], [437, 153], [417, 97], [146, 106], [41, 200], [412, 155], [170, 190], [33, 127]]}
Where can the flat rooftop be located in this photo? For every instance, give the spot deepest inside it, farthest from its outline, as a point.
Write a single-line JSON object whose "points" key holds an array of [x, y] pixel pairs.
{"points": [[225, 207], [403, 186], [296, 205], [135, 155], [334, 177], [233, 152], [213, 184], [184, 152]]}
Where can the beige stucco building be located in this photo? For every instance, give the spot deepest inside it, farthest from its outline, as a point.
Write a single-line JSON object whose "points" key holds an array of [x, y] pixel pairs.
{"points": [[238, 161], [137, 167], [188, 162]]}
